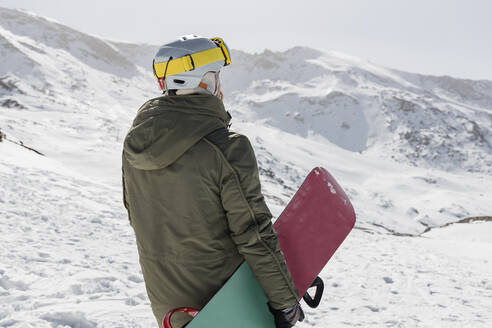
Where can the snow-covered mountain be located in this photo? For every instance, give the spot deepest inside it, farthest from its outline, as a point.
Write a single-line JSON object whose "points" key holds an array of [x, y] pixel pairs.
{"points": [[412, 151], [427, 121]]}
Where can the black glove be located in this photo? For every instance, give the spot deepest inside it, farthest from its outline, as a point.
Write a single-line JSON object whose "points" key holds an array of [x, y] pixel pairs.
{"points": [[288, 317]]}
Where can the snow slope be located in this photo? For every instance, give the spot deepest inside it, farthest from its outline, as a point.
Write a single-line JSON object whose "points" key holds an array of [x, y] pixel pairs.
{"points": [[412, 152], [436, 122]]}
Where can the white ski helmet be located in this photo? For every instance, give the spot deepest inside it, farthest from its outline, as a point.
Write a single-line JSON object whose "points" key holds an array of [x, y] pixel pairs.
{"points": [[181, 64]]}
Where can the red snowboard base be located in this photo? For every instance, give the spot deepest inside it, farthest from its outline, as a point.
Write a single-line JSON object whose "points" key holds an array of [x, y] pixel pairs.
{"points": [[313, 225]]}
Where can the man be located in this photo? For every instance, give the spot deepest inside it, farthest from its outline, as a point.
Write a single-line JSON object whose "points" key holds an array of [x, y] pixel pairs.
{"points": [[192, 190]]}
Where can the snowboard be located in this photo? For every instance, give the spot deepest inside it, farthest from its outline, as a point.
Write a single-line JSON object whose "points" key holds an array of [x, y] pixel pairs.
{"points": [[310, 229]]}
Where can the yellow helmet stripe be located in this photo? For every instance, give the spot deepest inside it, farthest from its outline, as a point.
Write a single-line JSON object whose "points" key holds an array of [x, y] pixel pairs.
{"points": [[189, 62]]}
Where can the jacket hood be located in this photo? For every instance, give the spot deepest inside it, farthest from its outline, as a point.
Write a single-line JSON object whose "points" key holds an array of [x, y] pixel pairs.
{"points": [[166, 127]]}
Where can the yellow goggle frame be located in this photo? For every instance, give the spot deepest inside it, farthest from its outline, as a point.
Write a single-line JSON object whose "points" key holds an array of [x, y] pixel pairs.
{"points": [[192, 61]]}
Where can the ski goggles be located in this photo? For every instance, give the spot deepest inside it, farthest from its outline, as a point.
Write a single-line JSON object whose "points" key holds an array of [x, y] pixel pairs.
{"points": [[192, 61]]}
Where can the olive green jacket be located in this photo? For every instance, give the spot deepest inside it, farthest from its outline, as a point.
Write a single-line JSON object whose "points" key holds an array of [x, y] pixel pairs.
{"points": [[194, 199]]}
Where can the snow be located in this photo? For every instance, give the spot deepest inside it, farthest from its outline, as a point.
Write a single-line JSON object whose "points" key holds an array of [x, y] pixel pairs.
{"points": [[411, 151], [475, 232], [388, 281], [67, 250]]}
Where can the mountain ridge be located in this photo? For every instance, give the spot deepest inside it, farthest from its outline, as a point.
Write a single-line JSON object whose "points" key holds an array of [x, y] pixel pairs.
{"points": [[76, 107]]}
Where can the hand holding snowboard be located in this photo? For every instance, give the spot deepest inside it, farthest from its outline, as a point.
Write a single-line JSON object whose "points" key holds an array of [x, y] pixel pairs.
{"points": [[288, 317]]}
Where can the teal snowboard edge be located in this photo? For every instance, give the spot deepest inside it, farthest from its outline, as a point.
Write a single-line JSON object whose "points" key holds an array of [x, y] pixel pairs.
{"points": [[240, 303]]}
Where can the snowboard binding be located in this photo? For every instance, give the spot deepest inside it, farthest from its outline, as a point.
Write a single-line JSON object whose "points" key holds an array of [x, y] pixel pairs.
{"points": [[314, 302], [166, 321]]}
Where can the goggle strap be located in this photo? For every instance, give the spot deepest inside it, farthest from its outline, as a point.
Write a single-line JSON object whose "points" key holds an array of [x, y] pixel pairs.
{"points": [[167, 65], [221, 44], [153, 68], [189, 62]]}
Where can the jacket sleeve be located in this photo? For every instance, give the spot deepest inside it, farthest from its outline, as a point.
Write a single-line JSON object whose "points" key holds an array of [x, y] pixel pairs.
{"points": [[249, 219]]}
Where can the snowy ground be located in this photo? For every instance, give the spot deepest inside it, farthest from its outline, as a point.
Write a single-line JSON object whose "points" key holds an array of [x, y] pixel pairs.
{"points": [[389, 281], [68, 254], [69, 260]]}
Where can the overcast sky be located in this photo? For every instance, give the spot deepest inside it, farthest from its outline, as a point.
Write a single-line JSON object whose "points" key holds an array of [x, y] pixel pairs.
{"points": [[451, 37]]}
